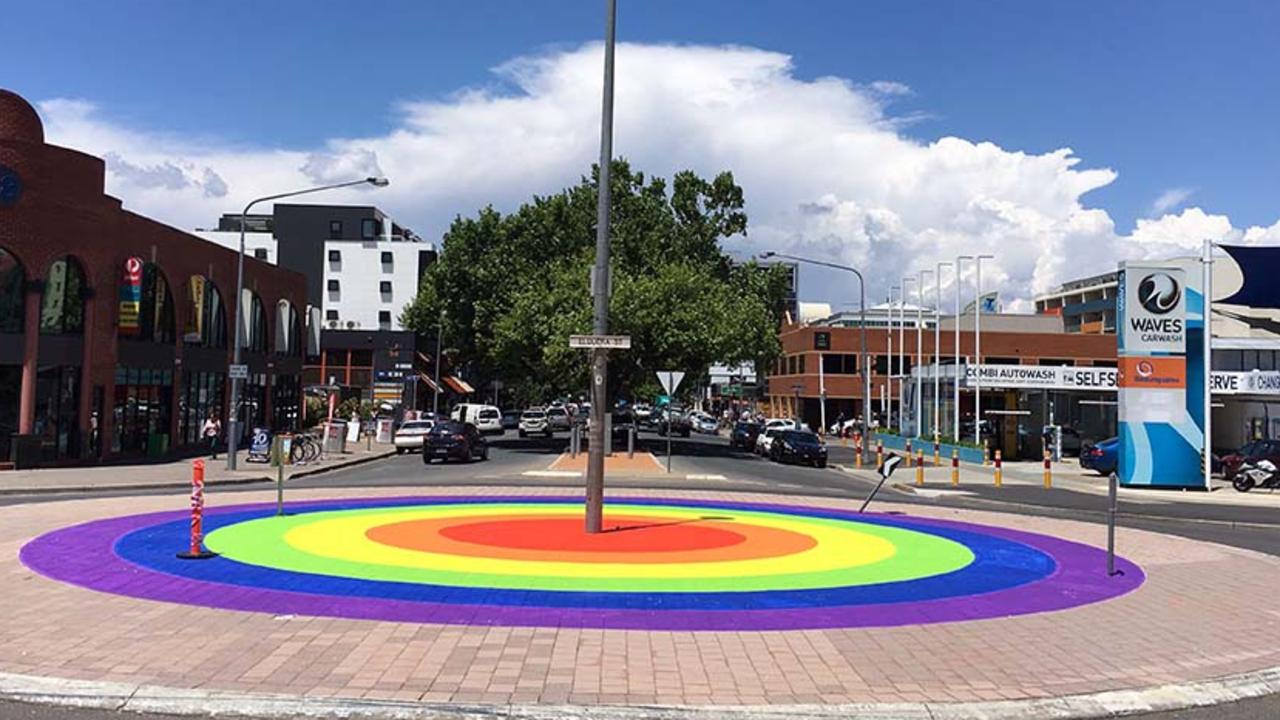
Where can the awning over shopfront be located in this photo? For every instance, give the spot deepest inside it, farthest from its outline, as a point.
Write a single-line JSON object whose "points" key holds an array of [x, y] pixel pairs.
{"points": [[458, 385], [431, 384]]}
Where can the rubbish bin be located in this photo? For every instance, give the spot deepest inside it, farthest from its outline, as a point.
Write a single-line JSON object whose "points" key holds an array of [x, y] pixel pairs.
{"points": [[335, 437], [24, 451]]}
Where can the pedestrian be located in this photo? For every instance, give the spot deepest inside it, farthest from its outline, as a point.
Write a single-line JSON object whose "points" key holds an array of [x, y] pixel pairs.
{"points": [[211, 430]]}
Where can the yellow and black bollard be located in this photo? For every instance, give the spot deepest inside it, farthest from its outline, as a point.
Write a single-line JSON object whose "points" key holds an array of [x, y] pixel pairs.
{"points": [[879, 453], [1048, 471], [999, 472], [937, 451], [955, 467], [919, 468]]}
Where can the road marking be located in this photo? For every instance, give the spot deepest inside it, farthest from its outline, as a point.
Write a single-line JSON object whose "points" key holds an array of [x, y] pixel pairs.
{"points": [[552, 473], [704, 477]]}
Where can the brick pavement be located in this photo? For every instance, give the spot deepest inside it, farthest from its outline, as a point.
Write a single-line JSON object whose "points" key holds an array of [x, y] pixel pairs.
{"points": [[1172, 629], [618, 462]]}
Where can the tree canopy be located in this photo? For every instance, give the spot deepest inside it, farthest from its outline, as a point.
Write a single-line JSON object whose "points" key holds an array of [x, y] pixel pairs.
{"points": [[513, 288]]}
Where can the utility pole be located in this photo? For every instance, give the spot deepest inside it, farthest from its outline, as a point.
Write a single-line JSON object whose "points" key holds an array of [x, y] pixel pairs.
{"points": [[600, 360], [937, 348], [917, 370], [955, 389]]}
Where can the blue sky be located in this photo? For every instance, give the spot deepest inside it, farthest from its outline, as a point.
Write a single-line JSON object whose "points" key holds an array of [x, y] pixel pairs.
{"points": [[1178, 98]]}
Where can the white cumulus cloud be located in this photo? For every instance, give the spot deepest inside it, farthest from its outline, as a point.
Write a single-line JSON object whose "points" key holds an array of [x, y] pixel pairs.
{"points": [[826, 170], [1170, 199]]}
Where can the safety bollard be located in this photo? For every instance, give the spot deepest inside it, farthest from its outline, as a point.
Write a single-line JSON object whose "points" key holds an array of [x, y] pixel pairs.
{"points": [[919, 468], [1048, 472], [986, 453], [937, 452], [631, 442], [196, 551], [857, 450], [879, 453], [910, 454], [955, 467], [999, 472]]}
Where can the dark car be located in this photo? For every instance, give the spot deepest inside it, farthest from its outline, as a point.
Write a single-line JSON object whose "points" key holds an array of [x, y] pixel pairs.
{"points": [[623, 423], [674, 422], [744, 435], [510, 419], [1101, 457], [452, 439], [1256, 450], [798, 446], [1072, 443]]}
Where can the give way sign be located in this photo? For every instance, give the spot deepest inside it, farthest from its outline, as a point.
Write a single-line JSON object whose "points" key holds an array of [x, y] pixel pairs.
{"points": [[670, 380]]}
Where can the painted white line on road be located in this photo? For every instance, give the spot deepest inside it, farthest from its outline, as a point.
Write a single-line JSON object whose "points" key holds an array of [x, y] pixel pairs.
{"points": [[704, 477], [552, 473]]}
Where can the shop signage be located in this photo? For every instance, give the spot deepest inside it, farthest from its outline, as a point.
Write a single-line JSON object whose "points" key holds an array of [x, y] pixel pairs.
{"points": [[608, 342], [260, 445], [1045, 377], [131, 296], [1257, 382]]}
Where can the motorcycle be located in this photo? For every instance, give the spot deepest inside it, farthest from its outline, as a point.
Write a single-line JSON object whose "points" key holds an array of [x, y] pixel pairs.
{"points": [[1256, 473]]}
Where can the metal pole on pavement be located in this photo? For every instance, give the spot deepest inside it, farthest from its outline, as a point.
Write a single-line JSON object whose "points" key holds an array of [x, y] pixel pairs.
{"points": [[919, 411], [1207, 280], [888, 361], [955, 390], [937, 348], [600, 361], [233, 422], [977, 348], [435, 399], [902, 355]]}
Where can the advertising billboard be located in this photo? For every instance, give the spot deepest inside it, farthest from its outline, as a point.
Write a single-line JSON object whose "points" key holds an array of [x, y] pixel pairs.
{"points": [[131, 297]]}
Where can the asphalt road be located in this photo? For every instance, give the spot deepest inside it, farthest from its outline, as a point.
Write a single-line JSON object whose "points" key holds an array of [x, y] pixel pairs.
{"points": [[708, 463]]}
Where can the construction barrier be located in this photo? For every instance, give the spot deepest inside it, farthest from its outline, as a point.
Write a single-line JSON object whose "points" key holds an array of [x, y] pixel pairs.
{"points": [[919, 468], [196, 551], [999, 472], [955, 468]]}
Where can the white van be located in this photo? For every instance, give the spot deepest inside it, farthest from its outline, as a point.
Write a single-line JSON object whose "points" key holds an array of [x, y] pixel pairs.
{"points": [[486, 418]]}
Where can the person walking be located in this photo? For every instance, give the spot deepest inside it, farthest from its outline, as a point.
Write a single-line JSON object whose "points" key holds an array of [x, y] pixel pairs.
{"points": [[211, 430]]}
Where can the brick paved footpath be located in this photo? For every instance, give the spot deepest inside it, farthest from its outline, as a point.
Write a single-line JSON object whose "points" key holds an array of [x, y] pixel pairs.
{"points": [[1205, 611]]}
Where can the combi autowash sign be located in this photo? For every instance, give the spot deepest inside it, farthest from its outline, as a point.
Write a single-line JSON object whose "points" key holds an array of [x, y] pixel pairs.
{"points": [[1159, 438]]}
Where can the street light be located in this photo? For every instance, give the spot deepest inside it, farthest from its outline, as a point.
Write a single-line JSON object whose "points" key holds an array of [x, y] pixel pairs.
{"points": [[862, 322], [435, 399], [919, 411], [888, 409], [937, 344], [977, 348], [955, 390], [233, 423], [902, 352]]}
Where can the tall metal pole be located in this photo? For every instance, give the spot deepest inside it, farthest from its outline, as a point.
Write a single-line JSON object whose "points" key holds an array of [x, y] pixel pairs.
{"points": [[977, 348], [918, 369], [233, 422], [1207, 281], [937, 348], [600, 361], [955, 390], [902, 355], [435, 399], [889, 359]]}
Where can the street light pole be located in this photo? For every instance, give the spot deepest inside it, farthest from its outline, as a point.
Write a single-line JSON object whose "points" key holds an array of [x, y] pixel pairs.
{"points": [[937, 348], [863, 365], [233, 422], [902, 353], [435, 399], [977, 348], [917, 370], [955, 390], [889, 359], [600, 363]]}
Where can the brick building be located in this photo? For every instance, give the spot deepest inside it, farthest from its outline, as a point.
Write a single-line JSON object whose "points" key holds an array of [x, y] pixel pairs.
{"points": [[114, 328]]}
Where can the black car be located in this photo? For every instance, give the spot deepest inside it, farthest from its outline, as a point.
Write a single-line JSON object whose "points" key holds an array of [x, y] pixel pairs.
{"points": [[674, 422], [452, 439], [798, 446], [744, 435]]}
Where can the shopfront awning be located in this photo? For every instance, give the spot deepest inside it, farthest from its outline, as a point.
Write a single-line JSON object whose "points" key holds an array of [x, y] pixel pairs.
{"points": [[431, 384], [458, 385]]}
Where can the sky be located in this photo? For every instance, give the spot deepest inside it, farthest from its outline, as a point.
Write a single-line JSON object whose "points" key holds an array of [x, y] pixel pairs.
{"points": [[1059, 137]]}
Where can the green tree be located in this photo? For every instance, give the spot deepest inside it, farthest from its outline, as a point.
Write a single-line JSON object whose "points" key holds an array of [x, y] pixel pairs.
{"points": [[513, 288]]}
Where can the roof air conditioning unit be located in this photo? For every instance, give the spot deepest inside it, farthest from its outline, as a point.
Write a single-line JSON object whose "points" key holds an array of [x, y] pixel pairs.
{"points": [[350, 324]]}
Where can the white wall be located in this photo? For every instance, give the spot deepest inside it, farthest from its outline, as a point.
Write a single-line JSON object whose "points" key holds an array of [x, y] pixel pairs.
{"points": [[252, 241], [359, 273]]}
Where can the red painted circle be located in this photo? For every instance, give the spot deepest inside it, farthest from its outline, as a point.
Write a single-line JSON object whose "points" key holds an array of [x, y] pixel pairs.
{"points": [[567, 535]]}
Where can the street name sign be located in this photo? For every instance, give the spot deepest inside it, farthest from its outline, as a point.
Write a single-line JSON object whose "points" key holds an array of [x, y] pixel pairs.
{"points": [[670, 380], [238, 372], [607, 342]]}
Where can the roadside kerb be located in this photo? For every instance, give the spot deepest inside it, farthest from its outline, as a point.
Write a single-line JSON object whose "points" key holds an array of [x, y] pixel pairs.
{"points": [[178, 701]]}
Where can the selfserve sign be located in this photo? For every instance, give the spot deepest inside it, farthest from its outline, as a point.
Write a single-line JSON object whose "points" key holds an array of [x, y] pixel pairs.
{"points": [[1041, 377], [1154, 311]]}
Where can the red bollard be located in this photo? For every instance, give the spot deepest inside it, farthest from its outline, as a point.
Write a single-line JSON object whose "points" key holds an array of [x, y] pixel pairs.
{"points": [[196, 550]]}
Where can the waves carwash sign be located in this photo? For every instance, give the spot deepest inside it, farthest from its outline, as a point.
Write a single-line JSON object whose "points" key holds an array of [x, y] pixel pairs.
{"points": [[1159, 438]]}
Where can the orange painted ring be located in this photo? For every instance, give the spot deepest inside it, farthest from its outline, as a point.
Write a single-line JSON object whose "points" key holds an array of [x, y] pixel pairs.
{"points": [[528, 537]]}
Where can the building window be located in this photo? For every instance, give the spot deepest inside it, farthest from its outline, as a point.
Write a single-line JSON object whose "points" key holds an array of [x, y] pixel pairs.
{"points": [[335, 256], [260, 253], [62, 306], [384, 319], [13, 282], [386, 259], [368, 228], [384, 287], [330, 314], [142, 403], [335, 230], [145, 305], [333, 286]]}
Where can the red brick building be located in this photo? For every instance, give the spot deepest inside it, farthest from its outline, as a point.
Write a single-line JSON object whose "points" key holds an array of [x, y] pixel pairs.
{"points": [[114, 328]]}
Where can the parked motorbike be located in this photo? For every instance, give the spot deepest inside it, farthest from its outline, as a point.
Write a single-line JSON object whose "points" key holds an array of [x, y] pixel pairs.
{"points": [[1261, 473]]}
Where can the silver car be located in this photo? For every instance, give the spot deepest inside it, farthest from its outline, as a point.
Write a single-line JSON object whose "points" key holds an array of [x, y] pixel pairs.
{"points": [[534, 422]]}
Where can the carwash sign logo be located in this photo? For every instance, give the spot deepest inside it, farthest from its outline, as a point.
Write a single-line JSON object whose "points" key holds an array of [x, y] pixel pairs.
{"points": [[1155, 311]]}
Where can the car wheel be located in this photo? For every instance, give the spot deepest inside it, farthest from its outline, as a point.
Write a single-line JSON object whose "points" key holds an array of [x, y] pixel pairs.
{"points": [[399, 451], [820, 463], [484, 453]]}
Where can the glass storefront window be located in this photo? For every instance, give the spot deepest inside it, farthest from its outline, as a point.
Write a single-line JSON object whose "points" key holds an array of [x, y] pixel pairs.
{"points": [[57, 421], [146, 307], [141, 411], [202, 394]]}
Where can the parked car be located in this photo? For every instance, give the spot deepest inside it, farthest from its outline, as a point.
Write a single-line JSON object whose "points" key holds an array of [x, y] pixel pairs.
{"points": [[798, 446], [744, 435], [764, 441], [703, 423], [1102, 457], [457, 440], [410, 435], [557, 418], [1256, 450], [784, 423], [486, 418], [510, 419], [534, 421]]}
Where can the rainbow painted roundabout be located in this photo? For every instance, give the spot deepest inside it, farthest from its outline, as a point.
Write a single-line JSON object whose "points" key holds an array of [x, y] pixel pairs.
{"points": [[662, 564]]}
